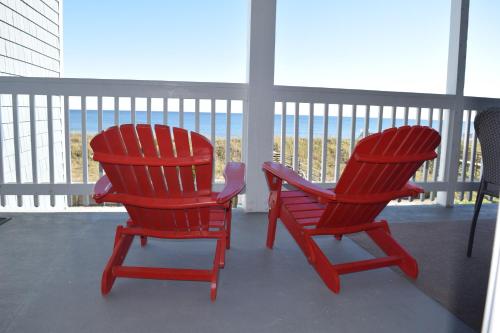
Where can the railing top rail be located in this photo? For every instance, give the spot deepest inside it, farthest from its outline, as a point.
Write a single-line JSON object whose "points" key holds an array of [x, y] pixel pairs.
{"points": [[218, 90], [121, 88], [376, 97], [480, 103]]}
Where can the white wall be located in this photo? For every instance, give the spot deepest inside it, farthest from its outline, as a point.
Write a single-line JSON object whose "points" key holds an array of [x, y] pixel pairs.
{"points": [[29, 38], [30, 45]]}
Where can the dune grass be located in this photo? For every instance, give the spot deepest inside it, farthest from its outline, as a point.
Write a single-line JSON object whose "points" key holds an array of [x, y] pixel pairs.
{"points": [[301, 167]]}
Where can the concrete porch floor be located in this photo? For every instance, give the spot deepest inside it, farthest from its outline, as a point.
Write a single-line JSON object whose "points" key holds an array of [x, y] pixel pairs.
{"points": [[51, 264]]}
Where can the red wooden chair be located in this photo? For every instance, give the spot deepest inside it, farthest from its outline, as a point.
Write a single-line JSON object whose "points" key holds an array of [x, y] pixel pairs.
{"points": [[377, 172], [165, 183]]}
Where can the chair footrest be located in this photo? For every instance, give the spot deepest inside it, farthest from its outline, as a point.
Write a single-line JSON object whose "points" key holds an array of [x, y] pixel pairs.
{"points": [[362, 265], [163, 273]]}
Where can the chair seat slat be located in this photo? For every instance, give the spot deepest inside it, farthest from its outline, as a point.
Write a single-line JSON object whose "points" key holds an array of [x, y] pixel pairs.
{"points": [[305, 207], [307, 214]]}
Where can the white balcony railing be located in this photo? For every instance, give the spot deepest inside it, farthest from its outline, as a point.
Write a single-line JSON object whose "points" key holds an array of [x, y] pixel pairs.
{"points": [[58, 116], [52, 113], [329, 113]]}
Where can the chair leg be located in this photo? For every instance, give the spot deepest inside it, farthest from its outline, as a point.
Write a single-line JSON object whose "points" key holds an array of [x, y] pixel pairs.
{"points": [[272, 217], [122, 245], [222, 254], [219, 254], [324, 268], [271, 228], [228, 227], [392, 248], [144, 241], [477, 208]]}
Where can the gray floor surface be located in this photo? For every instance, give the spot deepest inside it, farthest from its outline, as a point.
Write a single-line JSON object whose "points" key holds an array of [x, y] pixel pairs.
{"points": [[50, 267]]}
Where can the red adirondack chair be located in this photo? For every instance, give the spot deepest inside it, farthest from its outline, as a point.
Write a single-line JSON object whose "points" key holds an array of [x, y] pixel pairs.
{"points": [[165, 183], [377, 172]]}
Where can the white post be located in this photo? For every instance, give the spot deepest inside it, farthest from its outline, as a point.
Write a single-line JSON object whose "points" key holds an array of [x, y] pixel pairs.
{"points": [[491, 317], [61, 39], [2, 180], [452, 120], [259, 116]]}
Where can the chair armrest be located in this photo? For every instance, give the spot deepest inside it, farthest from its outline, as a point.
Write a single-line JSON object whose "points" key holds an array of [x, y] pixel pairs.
{"points": [[234, 173], [412, 189], [292, 178], [409, 190], [102, 188]]}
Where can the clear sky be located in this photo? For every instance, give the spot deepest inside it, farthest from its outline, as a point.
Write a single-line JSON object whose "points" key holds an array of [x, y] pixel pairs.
{"points": [[384, 44]]}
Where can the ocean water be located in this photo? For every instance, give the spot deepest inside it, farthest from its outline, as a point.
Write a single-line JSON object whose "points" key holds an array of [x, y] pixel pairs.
{"points": [[236, 123]]}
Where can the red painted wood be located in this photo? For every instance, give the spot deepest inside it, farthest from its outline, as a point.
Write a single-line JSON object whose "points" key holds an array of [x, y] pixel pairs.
{"points": [[233, 174], [294, 179], [166, 147], [217, 214], [364, 265], [307, 214], [102, 187], [377, 172], [120, 250], [298, 200], [349, 229], [429, 155], [293, 194], [175, 203], [167, 193], [183, 150], [111, 142], [390, 247], [149, 150], [274, 184], [228, 218], [158, 181], [202, 147], [312, 221], [162, 273], [203, 173], [135, 231], [305, 207], [153, 161], [140, 172]]}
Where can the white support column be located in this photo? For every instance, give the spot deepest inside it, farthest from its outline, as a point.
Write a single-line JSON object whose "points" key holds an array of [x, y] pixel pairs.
{"points": [[491, 317], [259, 116], [61, 39], [2, 180], [452, 120]]}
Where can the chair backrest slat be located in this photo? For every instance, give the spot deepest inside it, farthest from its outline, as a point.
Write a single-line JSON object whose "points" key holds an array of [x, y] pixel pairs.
{"points": [[141, 172], [158, 181], [186, 174], [201, 146], [182, 149], [164, 140], [368, 177], [149, 150], [114, 142]]}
